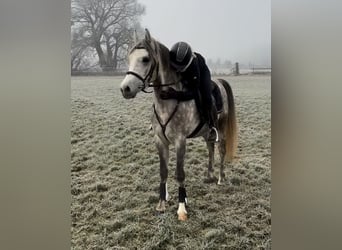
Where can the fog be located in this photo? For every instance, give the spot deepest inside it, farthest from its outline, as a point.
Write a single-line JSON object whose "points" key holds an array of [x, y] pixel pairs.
{"points": [[236, 30]]}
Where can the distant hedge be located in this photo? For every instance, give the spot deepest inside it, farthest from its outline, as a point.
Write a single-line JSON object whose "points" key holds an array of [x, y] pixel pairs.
{"points": [[107, 73]]}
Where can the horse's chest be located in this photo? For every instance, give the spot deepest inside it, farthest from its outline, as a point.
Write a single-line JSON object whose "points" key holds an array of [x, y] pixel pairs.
{"points": [[170, 125]]}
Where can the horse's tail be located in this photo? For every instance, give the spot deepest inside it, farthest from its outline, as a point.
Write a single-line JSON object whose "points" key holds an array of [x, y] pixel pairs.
{"points": [[231, 129]]}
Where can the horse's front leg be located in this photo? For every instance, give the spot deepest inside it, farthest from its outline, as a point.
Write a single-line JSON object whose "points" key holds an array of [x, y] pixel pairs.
{"points": [[163, 151], [180, 146]]}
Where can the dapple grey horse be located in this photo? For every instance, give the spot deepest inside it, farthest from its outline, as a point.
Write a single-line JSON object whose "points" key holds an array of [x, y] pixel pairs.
{"points": [[174, 121]]}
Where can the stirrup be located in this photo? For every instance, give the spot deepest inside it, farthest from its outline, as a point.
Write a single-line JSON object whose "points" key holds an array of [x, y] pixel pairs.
{"points": [[217, 138], [210, 139]]}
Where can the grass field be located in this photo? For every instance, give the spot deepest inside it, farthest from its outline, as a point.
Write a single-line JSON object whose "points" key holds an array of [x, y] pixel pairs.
{"points": [[115, 174]]}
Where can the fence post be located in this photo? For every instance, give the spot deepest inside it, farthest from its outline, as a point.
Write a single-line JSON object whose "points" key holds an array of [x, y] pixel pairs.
{"points": [[237, 71]]}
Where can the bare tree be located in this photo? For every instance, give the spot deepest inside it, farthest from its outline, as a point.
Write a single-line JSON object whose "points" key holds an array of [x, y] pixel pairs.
{"points": [[107, 26], [79, 49]]}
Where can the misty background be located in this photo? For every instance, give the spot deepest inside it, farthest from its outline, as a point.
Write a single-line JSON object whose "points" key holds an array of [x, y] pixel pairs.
{"points": [[223, 31], [236, 30]]}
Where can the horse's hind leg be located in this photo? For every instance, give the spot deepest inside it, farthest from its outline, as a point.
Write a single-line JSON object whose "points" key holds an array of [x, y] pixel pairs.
{"points": [[180, 175], [163, 151], [210, 174], [222, 149]]}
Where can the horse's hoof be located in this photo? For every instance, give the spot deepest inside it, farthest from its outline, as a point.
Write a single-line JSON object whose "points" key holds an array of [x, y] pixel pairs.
{"points": [[182, 213], [161, 206], [182, 217]]}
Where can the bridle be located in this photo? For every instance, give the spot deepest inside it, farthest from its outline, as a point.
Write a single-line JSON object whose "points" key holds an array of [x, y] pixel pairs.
{"points": [[145, 79], [148, 78]]}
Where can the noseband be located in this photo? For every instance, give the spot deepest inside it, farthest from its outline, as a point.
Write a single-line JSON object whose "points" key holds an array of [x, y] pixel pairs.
{"points": [[144, 80]]}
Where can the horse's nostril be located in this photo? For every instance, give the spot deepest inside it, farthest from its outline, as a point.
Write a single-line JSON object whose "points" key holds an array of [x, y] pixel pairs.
{"points": [[127, 89]]}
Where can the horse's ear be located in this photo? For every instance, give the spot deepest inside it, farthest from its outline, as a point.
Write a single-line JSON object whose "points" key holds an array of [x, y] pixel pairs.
{"points": [[150, 40], [147, 35]]}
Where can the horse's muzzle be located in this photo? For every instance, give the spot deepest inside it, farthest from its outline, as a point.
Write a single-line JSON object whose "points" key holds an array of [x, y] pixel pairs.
{"points": [[125, 90], [127, 93]]}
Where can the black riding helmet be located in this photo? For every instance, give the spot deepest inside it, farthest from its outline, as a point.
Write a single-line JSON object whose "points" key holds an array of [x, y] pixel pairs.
{"points": [[181, 56]]}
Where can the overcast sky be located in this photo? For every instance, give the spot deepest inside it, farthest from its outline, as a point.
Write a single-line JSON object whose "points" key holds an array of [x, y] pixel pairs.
{"points": [[237, 30]]}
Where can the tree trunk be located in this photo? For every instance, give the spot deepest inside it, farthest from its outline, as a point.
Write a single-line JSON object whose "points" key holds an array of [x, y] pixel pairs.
{"points": [[109, 65], [102, 59], [115, 58]]}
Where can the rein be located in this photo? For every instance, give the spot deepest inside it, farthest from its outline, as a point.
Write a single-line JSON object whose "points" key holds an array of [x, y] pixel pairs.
{"points": [[161, 85], [144, 80]]}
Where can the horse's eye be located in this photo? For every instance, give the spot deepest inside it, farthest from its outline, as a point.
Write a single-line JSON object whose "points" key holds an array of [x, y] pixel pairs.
{"points": [[145, 59]]}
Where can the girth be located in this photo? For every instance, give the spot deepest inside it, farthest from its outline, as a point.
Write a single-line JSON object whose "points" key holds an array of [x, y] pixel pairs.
{"points": [[197, 129]]}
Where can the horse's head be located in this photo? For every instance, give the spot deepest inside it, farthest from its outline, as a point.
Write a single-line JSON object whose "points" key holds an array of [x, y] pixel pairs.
{"points": [[143, 64]]}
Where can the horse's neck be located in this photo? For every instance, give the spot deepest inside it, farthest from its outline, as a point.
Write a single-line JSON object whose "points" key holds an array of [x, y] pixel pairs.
{"points": [[165, 76], [164, 106]]}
